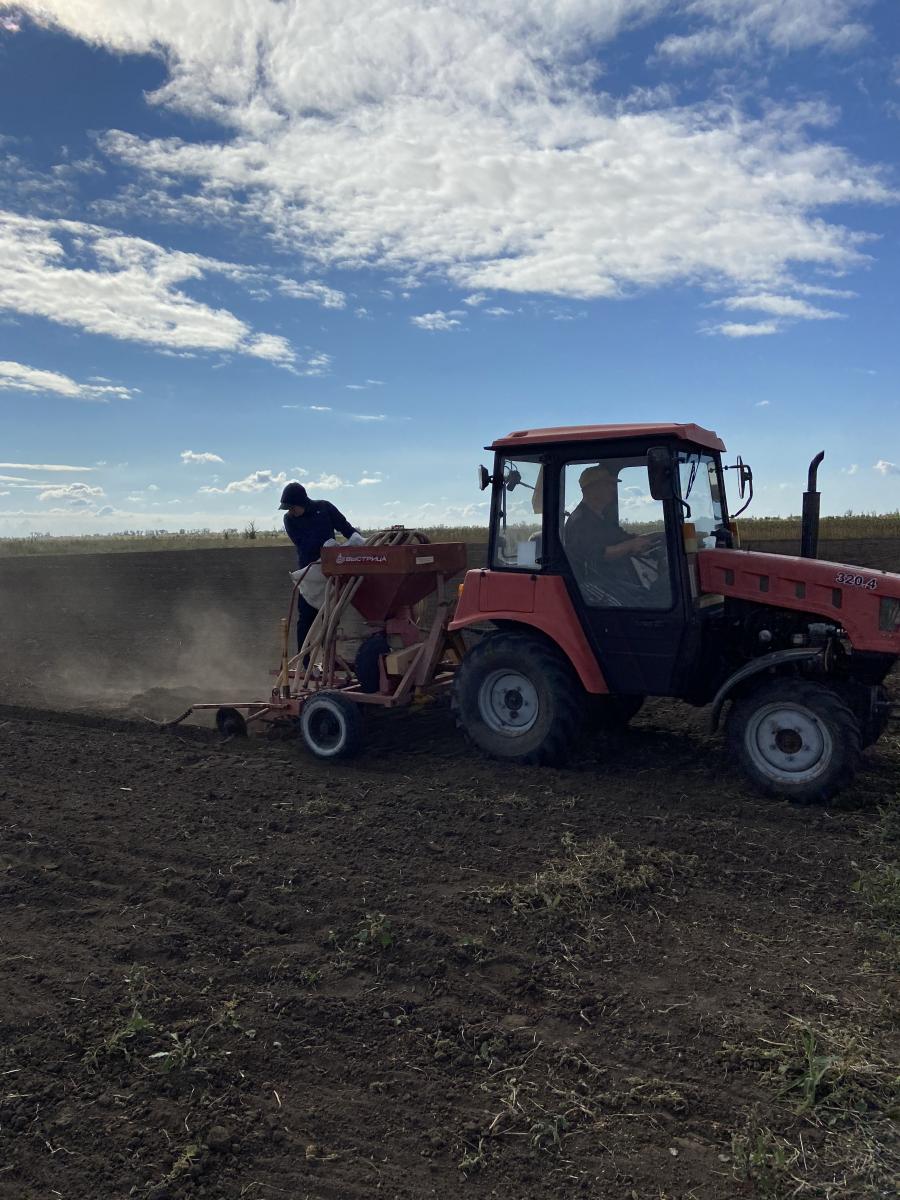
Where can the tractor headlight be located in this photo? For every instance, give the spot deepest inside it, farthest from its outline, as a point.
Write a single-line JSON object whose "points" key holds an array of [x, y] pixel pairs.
{"points": [[889, 615]]}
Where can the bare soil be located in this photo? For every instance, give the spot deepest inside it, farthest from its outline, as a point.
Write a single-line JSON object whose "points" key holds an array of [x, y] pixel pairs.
{"points": [[227, 970]]}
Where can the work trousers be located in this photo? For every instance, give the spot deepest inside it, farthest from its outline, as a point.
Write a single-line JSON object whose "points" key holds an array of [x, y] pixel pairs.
{"points": [[306, 614]]}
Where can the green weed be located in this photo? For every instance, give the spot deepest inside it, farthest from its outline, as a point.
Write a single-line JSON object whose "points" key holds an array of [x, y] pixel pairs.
{"points": [[375, 931]]}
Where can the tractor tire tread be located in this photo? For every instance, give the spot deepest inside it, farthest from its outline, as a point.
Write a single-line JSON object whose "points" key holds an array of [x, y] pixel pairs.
{"points": [[559, 680], [829, 706], [353, 725]]}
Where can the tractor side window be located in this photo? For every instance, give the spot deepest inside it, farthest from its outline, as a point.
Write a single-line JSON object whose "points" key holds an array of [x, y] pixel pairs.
{"points": [[700, 488], [614, 536], [520, 515]]}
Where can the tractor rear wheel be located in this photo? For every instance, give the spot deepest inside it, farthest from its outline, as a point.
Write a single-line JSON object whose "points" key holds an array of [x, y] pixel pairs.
{"points": [[331, 726], [795, 739], [518, 699]]}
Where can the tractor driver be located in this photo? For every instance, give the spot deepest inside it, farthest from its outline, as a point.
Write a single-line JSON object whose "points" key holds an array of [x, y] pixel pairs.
{"points": [[310, 524], [597, 546]]}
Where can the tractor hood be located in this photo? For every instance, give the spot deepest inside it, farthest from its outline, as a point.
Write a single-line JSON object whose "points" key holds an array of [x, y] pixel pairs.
{"points": [[864, 602]]}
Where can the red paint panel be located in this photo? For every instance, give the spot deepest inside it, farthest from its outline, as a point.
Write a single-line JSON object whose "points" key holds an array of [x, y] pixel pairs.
{"points": [[511, 593], [598, 433], [848, 596], [552, 614], [394, 577]]}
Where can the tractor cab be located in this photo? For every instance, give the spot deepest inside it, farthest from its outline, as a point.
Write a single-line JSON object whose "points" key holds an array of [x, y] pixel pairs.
{"points": [[617, 513], [612, 575]]}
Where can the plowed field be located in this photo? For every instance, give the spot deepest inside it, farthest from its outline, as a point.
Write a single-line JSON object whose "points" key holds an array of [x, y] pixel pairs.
{"points": [[229, 971]]}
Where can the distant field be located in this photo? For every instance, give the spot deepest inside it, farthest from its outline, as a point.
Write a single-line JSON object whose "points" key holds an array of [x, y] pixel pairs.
{"points": [[755, 530]]}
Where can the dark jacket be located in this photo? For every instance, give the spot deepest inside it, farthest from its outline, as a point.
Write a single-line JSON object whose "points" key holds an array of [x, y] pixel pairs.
{"points": [[587, 536], [320, 521]]}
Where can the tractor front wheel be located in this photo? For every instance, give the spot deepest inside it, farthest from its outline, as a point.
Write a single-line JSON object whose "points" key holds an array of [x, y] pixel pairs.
{"points": [[518, 699], [795, 739]]}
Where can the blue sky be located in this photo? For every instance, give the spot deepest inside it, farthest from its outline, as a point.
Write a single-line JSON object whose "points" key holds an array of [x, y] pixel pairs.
{"points": [[352, 241]]}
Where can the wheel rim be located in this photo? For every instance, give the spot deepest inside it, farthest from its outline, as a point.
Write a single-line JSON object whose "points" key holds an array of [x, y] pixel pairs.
{"points": [[324, 729], [788, 742], [508, 702]]}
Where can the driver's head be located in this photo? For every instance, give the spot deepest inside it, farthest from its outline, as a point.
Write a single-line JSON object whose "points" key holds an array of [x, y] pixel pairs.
{"points": [[598, 485]]}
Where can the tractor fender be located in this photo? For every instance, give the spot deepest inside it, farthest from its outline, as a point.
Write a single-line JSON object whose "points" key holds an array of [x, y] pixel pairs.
{"points": [[537, 602], [572, 645], [767, 662]]}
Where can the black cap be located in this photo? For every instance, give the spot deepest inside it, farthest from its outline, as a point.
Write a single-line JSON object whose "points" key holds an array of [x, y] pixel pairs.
{"points": [[294, 493]]}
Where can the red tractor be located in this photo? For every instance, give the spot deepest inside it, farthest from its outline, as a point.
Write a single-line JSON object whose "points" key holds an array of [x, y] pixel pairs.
{"points": [[612, 575]]}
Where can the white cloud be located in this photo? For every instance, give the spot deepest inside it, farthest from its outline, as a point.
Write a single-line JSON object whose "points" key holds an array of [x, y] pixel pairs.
{"points": [[317, 364], [24, 482], [367, 416], [437, 320], [762, 404], [124, 287], [310, 290], [75, 493], [257, 481], [475, 299], [18, 377], [189, 456], [368, 480], [744, 26], [734, 329], [328, 483], [853, 469], [44, 467], [886, 468], [780, 306], [471, 139], [499, 311]]}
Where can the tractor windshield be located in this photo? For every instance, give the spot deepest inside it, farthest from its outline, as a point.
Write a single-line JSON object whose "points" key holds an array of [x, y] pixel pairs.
{"points": [[520, 514], [699, 480]]}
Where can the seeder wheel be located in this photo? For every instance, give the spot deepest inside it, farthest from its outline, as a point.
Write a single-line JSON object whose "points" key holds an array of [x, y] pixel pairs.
{"points": [[230, 723], [331, 726]]}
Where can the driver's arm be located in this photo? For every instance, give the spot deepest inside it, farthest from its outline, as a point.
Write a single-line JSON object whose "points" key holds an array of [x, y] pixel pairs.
{"points": [[634, 545]]}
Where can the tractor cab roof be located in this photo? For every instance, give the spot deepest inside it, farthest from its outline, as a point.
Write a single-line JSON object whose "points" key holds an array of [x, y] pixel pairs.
{"points": [[535, 438]]}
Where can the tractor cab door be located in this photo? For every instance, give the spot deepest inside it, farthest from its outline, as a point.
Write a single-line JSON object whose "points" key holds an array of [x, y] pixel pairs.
{"points": [[625, 566]]}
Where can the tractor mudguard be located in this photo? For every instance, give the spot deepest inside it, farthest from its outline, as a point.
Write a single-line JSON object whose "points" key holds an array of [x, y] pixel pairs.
{"points": [[778, 658], [538, 602]]}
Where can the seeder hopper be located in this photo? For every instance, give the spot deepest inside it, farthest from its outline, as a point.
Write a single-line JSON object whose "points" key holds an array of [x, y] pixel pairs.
{"points": [[371, 643]]}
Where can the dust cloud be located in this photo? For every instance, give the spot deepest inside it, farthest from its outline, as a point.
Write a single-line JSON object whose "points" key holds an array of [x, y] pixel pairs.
{"points": [[142, 635]]}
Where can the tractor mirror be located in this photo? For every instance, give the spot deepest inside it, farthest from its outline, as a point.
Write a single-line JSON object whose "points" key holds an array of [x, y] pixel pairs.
{"points": [[483, 478], [660, 472], [513, 479], [745, 477]]}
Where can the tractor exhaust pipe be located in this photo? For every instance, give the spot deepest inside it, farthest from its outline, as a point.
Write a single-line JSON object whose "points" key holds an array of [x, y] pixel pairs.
{"points": [[809, 528]]}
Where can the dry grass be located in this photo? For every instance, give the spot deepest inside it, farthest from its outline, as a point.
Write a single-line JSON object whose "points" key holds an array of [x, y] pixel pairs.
{"points": [[835, 1081], [597, 872], [838, 1088]]}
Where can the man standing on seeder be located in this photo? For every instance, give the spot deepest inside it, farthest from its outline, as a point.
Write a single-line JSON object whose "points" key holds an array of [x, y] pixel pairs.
{"points": [[312, 524]]}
